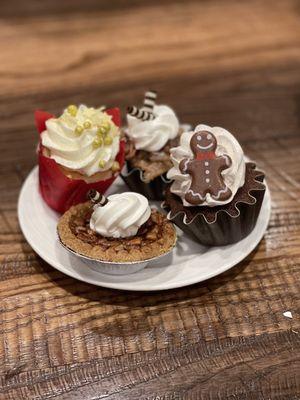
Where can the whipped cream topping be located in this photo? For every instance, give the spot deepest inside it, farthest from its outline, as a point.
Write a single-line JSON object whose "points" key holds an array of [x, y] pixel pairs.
{"points": [[152, 135], [74, 141], [121, 216], [234, 176]]}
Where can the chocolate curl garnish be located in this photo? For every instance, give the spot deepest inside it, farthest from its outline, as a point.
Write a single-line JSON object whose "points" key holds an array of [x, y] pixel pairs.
{"points": [[140, 114], [149, 101], [97, 198]]}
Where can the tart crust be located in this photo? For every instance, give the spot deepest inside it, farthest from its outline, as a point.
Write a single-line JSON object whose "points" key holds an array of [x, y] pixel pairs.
{"points": [[156, 237]]}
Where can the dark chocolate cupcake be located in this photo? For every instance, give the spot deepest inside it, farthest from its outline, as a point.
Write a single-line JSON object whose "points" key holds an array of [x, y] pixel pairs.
{"points": [[215, 195], [151, 132]]}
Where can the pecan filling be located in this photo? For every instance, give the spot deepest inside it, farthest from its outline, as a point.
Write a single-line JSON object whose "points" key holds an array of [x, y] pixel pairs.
{"points": [[152, 163], [151, 231]]}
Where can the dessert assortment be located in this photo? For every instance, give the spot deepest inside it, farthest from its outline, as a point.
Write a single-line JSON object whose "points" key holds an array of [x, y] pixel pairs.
{"points": [[208, 187]]}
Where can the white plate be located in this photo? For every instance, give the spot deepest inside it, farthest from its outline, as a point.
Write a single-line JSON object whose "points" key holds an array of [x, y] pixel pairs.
{"points": [[189, 263]]}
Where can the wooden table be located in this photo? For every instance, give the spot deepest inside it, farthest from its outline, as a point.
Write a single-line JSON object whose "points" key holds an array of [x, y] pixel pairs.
{"points": [[229, 63]]}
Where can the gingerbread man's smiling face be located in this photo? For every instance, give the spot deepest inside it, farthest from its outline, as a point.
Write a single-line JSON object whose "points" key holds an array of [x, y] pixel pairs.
{"points": [[203, 141]]}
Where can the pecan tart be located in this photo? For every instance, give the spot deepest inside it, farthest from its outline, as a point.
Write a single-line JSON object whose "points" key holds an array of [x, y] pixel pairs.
{"points": [[124, 229]]}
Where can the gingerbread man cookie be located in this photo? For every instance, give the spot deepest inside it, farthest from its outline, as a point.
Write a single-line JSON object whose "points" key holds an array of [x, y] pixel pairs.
{"points": [[205, 170]]}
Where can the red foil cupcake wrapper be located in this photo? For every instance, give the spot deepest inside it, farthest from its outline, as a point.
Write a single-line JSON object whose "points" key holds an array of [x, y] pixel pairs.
{"points": [[59, 191], [153, 190], [225, 229]]}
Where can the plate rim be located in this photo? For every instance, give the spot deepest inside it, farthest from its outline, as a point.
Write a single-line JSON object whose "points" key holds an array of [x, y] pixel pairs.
{"points": [[126, 285]]}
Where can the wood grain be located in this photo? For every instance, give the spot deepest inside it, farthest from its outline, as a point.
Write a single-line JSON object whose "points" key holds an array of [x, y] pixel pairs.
{"points": [[229, 63]]}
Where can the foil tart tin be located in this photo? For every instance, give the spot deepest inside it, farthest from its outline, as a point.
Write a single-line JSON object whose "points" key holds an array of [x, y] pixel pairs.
{"points": [[116, 268], [225, 229]]}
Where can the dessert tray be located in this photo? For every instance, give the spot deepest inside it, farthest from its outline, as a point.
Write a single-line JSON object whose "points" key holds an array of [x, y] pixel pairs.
{"points": [[188, 263]]}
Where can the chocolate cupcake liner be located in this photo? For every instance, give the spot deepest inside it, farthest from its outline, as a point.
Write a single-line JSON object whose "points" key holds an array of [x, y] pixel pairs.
{"points": [[226, 227], [153, 190]]}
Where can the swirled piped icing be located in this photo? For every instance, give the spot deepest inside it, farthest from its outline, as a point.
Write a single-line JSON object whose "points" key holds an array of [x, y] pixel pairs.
{"points": [[82, 139], [121, 216], [209, 167], [152, 135]]}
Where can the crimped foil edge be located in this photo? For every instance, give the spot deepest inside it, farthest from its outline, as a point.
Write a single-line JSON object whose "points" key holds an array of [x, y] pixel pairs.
{"points": [[116, 262]]}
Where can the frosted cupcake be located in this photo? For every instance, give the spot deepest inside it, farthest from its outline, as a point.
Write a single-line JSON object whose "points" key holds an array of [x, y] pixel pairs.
{"points": [[121, 229], [80, 150], [215, 195], [152, 130]]}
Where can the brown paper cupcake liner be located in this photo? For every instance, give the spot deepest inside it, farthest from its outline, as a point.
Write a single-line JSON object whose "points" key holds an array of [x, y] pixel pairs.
{"points": [[221, 225], [153, 190]]}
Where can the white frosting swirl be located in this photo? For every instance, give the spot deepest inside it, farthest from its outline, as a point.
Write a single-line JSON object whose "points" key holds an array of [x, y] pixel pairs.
{"points": [[152, 135], [76, 151], [234, 176], [122, 216]]}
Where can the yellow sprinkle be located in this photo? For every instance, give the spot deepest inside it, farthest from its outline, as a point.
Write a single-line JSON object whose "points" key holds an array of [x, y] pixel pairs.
{"points": [[106, 126], [101, 131], [79, 129], [115, 166], [108, 140], [87, 124], [72, 109], [98, 141], [101, 163]]}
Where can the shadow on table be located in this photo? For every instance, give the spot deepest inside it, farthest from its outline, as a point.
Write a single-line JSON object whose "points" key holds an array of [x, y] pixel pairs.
{"points": [[143, 299], [119, 313]]}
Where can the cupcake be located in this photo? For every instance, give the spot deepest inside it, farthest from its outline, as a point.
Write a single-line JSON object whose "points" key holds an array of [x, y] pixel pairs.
{"points": [[215, 195], [120, 234], [151, 131], [80, 150]]}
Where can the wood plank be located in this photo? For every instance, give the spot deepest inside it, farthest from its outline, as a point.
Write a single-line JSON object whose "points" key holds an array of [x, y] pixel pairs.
{"points": [[210, 371]]}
